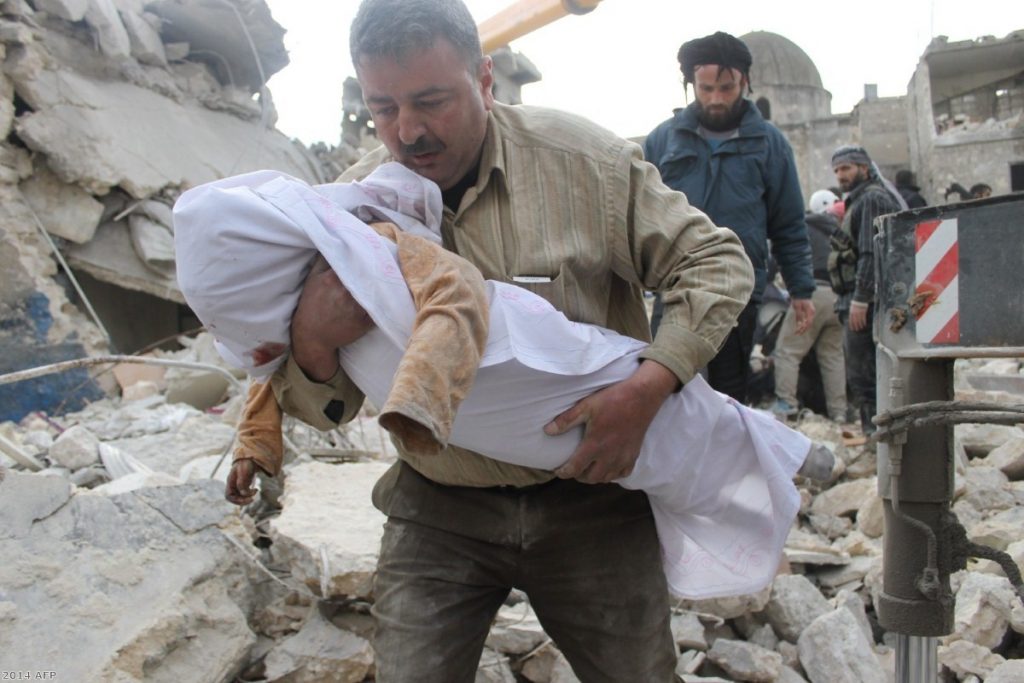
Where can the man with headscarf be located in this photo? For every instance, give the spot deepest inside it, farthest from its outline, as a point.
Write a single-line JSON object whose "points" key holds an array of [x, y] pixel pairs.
{"points": [[852, 269], [737, 168]]}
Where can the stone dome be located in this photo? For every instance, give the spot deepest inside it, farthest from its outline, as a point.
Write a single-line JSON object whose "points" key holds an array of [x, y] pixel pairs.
{"points": [[779, 61]]}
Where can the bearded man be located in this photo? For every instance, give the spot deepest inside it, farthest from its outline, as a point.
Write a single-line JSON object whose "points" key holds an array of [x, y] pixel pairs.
{"points": [[852, 270], [739, 170]]}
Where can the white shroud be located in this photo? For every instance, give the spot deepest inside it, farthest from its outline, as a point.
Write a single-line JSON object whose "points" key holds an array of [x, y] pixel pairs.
{"points": [[718, 474]]}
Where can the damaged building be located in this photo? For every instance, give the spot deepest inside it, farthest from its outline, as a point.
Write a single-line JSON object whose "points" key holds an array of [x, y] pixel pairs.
{"points": [[962, 119], [109, 109], [123, 562]]}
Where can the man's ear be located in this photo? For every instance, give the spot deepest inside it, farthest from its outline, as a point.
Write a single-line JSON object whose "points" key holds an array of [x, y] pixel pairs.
{"points": [[485, 75]]}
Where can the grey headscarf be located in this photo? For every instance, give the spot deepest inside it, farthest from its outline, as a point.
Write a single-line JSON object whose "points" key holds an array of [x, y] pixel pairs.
{"points": [[855, 154]]}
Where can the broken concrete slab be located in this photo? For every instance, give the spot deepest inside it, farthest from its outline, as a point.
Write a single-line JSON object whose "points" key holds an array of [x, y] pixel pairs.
{"points": [[327, 533], [92, 135], [146, 598], [65, 210], [144, 37], [111, 36], [72, 10], [220, 33], [27, 499]]}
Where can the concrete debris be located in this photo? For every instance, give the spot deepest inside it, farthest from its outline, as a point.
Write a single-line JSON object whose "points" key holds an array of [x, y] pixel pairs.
{"points": [[319, 653], [133, 485], [833, 649], [75, 448], [107, 103]]}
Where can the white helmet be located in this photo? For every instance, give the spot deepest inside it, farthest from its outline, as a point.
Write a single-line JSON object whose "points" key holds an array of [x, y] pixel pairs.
{"points": [[822, 200]]}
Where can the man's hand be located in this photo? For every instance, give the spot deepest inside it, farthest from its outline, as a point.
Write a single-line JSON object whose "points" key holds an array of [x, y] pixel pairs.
{"points": [[804, 310], [615, 422], [858, 316], [326, 319], [239, 489]]}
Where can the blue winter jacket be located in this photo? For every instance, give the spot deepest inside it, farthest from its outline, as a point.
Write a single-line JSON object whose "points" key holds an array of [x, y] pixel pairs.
{"points": [[748, 184]]}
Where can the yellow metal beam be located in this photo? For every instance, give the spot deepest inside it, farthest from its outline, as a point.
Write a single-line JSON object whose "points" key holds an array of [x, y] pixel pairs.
{"points": [[525, 16]]}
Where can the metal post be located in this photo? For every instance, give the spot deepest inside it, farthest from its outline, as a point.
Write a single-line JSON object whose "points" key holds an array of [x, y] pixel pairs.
{"points": [[916, 602], [916, 659]]}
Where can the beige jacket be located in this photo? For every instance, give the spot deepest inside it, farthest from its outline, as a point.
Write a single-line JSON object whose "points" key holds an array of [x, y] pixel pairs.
{"points": [[451, 313], [561, 200]]}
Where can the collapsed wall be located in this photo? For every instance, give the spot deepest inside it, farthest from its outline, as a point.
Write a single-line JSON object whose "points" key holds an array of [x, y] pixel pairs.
{"points": [[108, 110]]}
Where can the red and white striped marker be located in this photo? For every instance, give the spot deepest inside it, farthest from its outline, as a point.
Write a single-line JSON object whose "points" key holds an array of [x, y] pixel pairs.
{"points": [[936, 282]]}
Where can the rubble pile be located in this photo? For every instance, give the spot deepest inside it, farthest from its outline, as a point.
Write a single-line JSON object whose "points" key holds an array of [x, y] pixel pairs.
{"points": [[124, 563], [108, 110]]}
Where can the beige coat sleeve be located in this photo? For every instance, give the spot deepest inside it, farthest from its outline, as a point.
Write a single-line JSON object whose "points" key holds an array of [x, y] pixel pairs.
{"points": [[450, 297]]}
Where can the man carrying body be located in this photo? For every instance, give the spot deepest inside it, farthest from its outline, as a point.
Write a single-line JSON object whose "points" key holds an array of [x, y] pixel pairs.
{"points": [[739, 169], [853, 270], [463, 529]]}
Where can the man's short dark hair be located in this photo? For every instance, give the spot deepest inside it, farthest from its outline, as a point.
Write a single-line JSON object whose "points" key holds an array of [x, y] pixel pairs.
{"points": [[395, 28]]}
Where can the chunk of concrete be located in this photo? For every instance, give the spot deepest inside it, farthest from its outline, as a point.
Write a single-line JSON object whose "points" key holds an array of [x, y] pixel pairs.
{"points": [[964, 658], [999, 530], [319, 653], [328, 533], [1010, 671], [144, 39], [746, 661], [984, 603], [143, 598], [111, 35], [76, 448], [795, 602], [833, 649], [1009, 458], [25, 499], [72, 10], [845, 498], [64, 210]]}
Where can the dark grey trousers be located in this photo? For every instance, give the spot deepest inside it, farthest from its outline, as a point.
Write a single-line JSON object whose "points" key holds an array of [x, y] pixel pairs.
{"points": [[587, 557]]}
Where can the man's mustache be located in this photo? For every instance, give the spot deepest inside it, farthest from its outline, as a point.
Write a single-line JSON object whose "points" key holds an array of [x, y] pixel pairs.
{"points": [[422, 146]]}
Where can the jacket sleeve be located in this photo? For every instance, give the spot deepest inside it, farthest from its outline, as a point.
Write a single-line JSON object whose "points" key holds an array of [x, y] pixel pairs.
{"points": [[872, 205], [320, 405], [664, 244], [787, 229]]}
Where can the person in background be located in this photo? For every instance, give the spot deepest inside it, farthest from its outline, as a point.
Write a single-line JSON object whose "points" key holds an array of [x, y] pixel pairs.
{"points": [[852, 268], [981, 191], [825, 334], [906, 184], [737, 168], [552, 202]]}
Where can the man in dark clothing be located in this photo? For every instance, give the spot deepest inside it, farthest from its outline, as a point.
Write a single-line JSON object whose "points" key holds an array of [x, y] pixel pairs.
{"points": [[906, 183], [852, 270], [738, 169]]}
